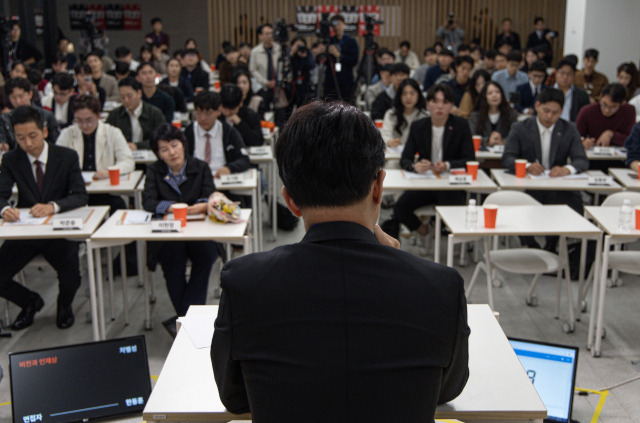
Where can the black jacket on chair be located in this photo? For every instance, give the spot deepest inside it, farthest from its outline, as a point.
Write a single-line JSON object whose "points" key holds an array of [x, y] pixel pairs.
{"points": [[235, 151], [63, 183], [457, 146], [339, 328]]}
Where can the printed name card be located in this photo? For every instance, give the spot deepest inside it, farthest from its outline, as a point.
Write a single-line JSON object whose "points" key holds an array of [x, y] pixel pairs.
{"points": [[460, 179], [67, 223], [140, 154], [166, 225], [600, 180], [608, 151], [498, 148], [233, 178], [260, 151]]}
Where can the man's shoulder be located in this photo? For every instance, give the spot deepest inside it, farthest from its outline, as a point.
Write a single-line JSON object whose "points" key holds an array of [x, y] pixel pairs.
{"points": [[522, 87], [151, 110], [110, 79], [64, 153]]}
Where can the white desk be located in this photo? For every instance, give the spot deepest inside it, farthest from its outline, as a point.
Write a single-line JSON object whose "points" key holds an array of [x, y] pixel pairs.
{"points": [[558, 220], [617, 153], [144, 156], [626, 177], [96, 216], [396, 181], [607, 219], [498, 388], [127, 186], [264, 156], [114, 233]]}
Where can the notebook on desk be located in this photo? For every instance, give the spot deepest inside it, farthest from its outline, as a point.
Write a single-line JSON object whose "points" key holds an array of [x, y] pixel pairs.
{"points": [[552, 369], [80, 382]]}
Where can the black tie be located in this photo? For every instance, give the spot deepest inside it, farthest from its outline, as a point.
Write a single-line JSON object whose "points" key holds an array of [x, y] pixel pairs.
{"points": [[39, 175]]}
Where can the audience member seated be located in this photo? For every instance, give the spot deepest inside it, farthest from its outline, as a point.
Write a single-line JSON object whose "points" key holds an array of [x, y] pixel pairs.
{"points": [[58, 103], [20, 70], [464, 50], [632, 144], [85, 84], [190, 44], [135, 118], [507, 35], [384, 82], [541, 39], [490, 61], [159, 58], [253, 101], [530, 91], [384, 100], [500, 62], [469, 101], [608, 122], [574, 98], [530, 57], [146, 53], [177, 177], [219, 144], [409, 105], [101, 79], [157, 36], [245, 54], [512, 76], [121, 71], [445, 58], [49, 181], [442, 142], [477, 54], [406, 56], [588, 78], [98, 145], [548, 143], [58, 65], [383, 57], [225, 69], [151, 94], [63, 47], [243, 119], [175, 80], [19, 92], [463, 66], [124, 54], [504, 47], [627, 75], [494, 116], [193, 72], [430, 59]]}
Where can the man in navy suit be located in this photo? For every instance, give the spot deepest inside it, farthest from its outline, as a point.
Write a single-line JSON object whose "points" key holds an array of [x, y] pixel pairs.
{"points": [[49, 181], [530, 91], [343, 326]]}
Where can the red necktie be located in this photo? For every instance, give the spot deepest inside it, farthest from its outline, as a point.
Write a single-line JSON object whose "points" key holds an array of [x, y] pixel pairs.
{"points": [[39, 175], [207, 149]]}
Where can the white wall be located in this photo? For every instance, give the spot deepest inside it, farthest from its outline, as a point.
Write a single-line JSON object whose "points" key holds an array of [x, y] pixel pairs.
{"points": [[611, 26]]}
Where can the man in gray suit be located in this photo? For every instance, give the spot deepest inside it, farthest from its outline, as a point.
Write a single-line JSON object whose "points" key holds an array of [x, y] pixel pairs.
{"points": [[547, 142]]}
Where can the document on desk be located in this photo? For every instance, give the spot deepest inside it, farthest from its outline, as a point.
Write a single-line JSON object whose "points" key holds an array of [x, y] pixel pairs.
{"points": [[199, 328], [545, 175], [412, 175], [395, 150], [135, 217], [88, 177], [27, 220]]}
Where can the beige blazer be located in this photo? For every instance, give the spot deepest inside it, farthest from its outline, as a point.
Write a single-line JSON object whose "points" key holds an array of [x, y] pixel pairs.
{"points": [[111, 146]]}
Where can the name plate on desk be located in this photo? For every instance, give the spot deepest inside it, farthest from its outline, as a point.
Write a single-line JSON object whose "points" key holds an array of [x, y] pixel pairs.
{"points": [[498, 148], [140, 154], [259, 151], [605, 151], [233, 178], [67, 223], [600, 180], [460, 179], [166, 226]]}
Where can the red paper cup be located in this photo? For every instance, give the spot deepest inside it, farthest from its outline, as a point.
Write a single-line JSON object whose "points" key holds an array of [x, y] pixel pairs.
{"points": [[472, 169], [638, 218], [213, 68], [477, 142], [521, 168], [216, 85], [176, 123], [180, 213], [114, 175], [490, 215], [378, 123]]}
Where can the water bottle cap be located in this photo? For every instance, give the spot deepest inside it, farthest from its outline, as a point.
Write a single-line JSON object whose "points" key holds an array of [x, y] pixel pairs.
{"points": [[472, 202]]}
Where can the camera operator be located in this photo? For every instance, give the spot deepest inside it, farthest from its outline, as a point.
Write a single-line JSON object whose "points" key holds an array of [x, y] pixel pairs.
{"points": [[20, 48], [451, 34], [342, 57], [541, 39], [302, 63]]}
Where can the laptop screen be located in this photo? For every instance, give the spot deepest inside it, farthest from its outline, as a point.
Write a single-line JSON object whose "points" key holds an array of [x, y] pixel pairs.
{"points": [[552, 370], [80, 382]]}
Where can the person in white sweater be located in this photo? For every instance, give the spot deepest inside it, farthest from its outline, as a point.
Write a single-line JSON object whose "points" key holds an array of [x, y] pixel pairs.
{"points": [[409, 105]]}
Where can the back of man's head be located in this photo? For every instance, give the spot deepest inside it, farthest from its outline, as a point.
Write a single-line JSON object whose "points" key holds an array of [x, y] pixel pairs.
{"points": [[329, 155], [400, 68], [26, 114]]}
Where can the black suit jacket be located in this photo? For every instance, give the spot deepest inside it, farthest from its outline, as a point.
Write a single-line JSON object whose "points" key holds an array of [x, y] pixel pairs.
{"points": [[339, 328], [527, 99], [579, 99], [249, 127], [523, 142], [63, 183], [457, 146], [380, 105], [235, 152]]}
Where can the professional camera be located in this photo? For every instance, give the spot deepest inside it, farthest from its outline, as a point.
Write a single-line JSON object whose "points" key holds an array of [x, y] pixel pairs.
{"points": [[370, 23], [5, 40], [281, 31], [451, 19], [324, 31]]}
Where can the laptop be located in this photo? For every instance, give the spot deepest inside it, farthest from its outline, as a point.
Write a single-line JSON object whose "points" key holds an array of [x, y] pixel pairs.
{"points": [[552, 369], [80, 382]]}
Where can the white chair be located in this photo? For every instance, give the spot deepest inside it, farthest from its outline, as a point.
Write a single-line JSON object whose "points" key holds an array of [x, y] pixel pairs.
{"points": [[522, 261]]}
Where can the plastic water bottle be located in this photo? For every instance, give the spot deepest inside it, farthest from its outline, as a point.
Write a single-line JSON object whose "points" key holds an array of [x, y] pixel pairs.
{"points": [[625, 216], [471, 215]]}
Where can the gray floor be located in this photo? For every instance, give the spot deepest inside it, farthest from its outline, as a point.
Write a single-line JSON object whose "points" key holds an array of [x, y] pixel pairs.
{"points": [[621, 347]]}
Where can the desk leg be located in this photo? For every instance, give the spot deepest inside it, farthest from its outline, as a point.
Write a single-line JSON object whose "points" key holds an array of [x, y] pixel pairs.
{"points": [[110, 278], [274, 200], [123, 272], [138, 203], [259, 213], [567, 279], [103, 330], [489, 269], [602, 291], [436, 247], [581, 271], [255, 219], [92, 292], [147, 307], [595, 286], [450, 245]]}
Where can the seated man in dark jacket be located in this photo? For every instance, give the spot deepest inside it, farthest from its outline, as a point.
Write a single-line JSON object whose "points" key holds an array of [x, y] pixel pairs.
{"points": [[245, 120]]}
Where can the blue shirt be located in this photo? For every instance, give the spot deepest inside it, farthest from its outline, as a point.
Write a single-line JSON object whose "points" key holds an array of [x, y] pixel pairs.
{"points": [[509, 83], [568, 102]]}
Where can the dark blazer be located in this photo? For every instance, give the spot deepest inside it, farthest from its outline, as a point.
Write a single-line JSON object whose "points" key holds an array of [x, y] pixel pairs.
{"points": [[579, 99], [198, 186], [339, 328], [235, 151], [249, 127], [63, 181], [457, 146], [184, 85], [197, 77], [523, 142], [380, 105], [162, 101], [503, 129], [48, 119], [527, 99], [513, 39], [150, 119]]}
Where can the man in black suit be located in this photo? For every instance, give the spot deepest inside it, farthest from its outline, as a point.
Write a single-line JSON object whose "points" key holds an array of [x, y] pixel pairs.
{"points": [[530, 91], [442, 141], [541, 39], [548, 143], [333, 329], [49, 181], [574, 98]]}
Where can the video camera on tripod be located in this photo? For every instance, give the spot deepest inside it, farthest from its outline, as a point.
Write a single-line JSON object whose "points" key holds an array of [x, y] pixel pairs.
{"points": [[5, 40], [92, 32], [324, 30], [281, 31], [367, 65]]}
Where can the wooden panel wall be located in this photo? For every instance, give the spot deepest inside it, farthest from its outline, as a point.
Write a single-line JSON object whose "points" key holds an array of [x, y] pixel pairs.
{"points": [[413, 20]]}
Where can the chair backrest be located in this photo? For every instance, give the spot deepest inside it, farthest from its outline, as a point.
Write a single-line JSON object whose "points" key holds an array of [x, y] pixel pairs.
{"points": [[511, 198], [615, 200]]}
